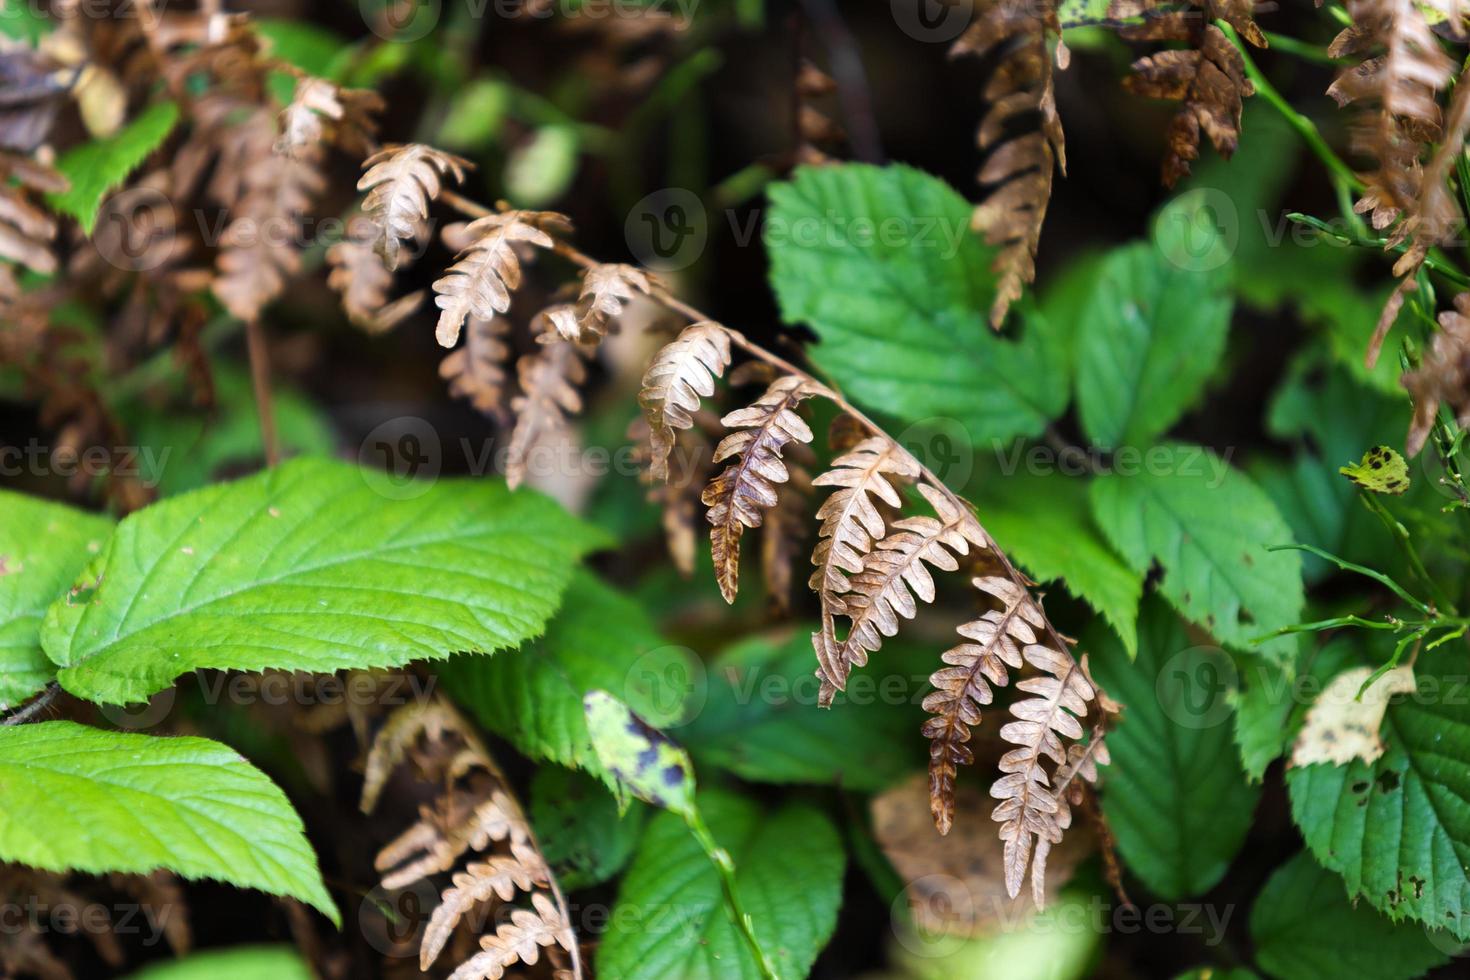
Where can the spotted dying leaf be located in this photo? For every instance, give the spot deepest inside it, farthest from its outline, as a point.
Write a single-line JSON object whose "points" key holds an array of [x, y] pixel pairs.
{"points": [[1382, 471], [643, 759]]}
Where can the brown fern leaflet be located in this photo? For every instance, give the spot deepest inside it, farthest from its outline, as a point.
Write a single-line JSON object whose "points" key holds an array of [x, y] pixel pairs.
{"points": [[474, 813], [488, 269], [739, 497], [401, 181], [1013, 214], [1207, 78], [680, 374]]}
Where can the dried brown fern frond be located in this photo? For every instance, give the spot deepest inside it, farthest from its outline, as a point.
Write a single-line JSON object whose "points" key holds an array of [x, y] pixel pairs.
{"points": [[548, 380], [260, 249], [816, 133], [1399, 85], [488, 269], [1012, 215], [401, 180], [678, 500], [606, 290], [1207, 78], [850, 524], [26, 231], [476, 370], [359, 276], [679, 375], [963, 688], [474, 813], [1434, 217], [739, 497], [893, 574], [1035, 807], [1443, 376]]}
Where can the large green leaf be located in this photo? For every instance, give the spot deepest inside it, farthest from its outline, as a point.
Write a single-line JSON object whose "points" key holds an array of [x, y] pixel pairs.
{"points": [[1044, 522], [881, 263], [762, 722], [582, 835], [1398, 829], [1151, 334], [598, 639], [1304, 928], [1209, 527], [43, 545], [79, 798], [234, 963], [97, 167], [308, 567], [670, 919], [1174, 795]]}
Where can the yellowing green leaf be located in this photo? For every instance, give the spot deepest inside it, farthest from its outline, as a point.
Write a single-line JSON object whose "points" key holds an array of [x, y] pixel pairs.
{"points": [[1382, 470]]}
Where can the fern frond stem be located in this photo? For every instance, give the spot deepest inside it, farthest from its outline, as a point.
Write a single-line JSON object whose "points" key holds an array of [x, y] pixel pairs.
{"points": [[1304, 127], [476, 210], [260, 377], [23, 714], [725, 865]]}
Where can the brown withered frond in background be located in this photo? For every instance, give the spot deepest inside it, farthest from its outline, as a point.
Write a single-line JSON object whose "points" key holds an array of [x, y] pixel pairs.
{"points": [[1207, 78], [1443, 376], [476, 369], [1022, 166], [816, 132], [26, 231], [548, 380], [401, 181], [475, 814]]}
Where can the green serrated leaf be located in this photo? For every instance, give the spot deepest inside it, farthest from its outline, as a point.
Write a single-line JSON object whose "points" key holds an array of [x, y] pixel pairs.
{"points": [[1209, 527], [1150, 336], [1382, 470], [308, 566], [1045, 524], [43, 545], [97, 167], [670, 920], [599, 638], [79, 798], [235, 963], [1398, 829], [645, 761], [1304, 928], [760, 720], [1175, 796], [881, 263], [583, 837]]}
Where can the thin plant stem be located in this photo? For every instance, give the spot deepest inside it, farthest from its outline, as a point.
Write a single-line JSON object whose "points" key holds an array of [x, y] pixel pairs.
{"points": [[1304, 127], [725, 865], [260, 378]]}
